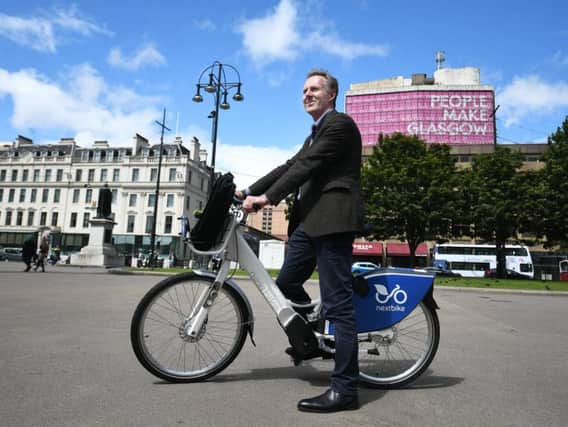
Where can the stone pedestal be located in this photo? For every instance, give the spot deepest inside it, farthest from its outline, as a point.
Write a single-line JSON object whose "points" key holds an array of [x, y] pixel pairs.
{"points": [[99, 252]]}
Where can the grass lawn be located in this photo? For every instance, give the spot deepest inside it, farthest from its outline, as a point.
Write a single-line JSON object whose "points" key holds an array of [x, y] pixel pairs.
{"points": [[465, 282], [533, 285]]}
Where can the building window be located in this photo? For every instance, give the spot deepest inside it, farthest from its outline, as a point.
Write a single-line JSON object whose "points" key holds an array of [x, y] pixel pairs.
{"points": [[76, 195], [135, 174], [1, 194], [59, 175], [149, 224], [116, 175], [45, 195], [153, 174], [56, 195], [114, 193], [172, 176], [25, 174], [86, 218], [73, 221], [22, 195], [170, 201], [187, 202], [43, 218], [33, 195], [151, 200], [78, 175], [130, 223], [19, 217], [36, 175], [11, 194], [89, 195], [47, 175], [189, 177], [91, 175], [8, 218], [14, 175], [54, 218], [103, 175], [132, 199], [168, 224], [31, 217], [2, 175]]}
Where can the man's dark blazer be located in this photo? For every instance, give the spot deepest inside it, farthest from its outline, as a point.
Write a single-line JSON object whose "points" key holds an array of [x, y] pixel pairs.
{"points": [[327, 174]]}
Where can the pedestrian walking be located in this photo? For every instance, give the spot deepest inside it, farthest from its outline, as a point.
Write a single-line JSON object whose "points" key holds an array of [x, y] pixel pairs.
{"points": [[28, 252], [42, 255]]}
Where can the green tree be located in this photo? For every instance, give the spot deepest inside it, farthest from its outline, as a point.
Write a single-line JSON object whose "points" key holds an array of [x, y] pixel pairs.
{"points": [[408, 188], [496, 199], [556, 178]]}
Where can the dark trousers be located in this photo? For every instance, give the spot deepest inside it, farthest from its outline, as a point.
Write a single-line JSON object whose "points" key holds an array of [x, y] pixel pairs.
{"points": [[332, 254]]}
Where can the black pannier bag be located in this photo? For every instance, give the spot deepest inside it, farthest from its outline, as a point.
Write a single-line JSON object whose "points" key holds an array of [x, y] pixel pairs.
{"points": [[211, 224]]}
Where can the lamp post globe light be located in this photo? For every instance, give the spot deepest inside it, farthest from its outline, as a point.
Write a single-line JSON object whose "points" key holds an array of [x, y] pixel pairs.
{"points": [[217, 84]]}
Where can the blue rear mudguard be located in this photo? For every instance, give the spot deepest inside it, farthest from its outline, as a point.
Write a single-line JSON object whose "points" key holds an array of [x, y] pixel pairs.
{"points": [[385, 296]]}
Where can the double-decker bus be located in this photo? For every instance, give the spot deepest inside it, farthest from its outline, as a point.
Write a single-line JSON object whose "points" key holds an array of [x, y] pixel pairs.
{"points": [[474, 260]]}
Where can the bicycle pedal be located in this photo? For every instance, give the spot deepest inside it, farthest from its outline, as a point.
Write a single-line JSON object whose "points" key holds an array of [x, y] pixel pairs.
{"points": [[373, 352]]}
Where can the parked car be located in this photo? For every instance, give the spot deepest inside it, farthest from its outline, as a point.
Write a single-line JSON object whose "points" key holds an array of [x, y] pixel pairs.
{"points": [[11, 254], [440, 271], [511, 274], [363, 267]]}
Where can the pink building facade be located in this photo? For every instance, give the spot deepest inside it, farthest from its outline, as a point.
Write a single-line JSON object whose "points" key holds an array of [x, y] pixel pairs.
{"points": [[436, 113]]}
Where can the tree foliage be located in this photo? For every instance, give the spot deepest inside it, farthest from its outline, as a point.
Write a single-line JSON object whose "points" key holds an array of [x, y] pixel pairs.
{"points": [[555, 226], [408, 188], [496, 199]]}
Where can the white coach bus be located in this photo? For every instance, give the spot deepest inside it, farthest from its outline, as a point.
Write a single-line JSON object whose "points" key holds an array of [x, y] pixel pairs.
{"points": [[475, 260]]}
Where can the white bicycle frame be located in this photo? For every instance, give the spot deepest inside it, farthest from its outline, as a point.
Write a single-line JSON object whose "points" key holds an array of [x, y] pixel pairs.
{"points": [[234, 247]]}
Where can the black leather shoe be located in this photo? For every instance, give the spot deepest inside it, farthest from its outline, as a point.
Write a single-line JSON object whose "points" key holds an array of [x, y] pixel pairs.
{"points": [[297, 358], [330, 401]]}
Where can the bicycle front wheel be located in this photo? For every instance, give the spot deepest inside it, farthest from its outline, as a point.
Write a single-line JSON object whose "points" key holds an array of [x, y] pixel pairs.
{"points": [[158, 330], [398, 355]]}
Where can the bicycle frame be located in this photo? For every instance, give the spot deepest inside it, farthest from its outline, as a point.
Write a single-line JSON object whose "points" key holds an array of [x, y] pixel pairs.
{"points": [[234, 247]]}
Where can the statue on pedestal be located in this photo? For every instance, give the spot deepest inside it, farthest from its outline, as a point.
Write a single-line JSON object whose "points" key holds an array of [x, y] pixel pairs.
{"points": [[104, 203]]}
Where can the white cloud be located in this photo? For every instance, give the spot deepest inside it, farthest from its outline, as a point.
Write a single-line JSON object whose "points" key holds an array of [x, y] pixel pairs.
{"points": [[528, 96], [44, 33], [248, 163], [147, 55], [279, 36], [35, 33], [345, 50], [274, 36], [206, 25], [82, 104], [560, 58]]}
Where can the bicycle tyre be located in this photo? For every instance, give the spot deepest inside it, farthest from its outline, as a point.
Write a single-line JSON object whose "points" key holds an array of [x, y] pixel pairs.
{"points": [[399, 355], [157, 330]]}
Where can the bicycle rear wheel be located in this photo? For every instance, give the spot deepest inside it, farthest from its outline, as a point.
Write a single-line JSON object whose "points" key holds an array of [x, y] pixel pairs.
{"points": [[398, 355], [158, 330]]}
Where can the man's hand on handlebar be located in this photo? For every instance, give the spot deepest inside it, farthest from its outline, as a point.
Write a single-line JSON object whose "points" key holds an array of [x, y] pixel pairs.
{"points": [[255, 203]]}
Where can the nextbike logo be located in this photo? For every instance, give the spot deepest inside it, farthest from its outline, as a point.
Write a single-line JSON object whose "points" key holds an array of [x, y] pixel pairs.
{"points": [[397, 295]]}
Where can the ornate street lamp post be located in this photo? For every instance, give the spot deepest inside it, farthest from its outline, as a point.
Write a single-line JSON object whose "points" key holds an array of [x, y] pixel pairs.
{"points": [[220, 86]]}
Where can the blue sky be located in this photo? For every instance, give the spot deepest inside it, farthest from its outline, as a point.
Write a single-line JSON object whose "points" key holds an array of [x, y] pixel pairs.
{"points": [[105, 70]]}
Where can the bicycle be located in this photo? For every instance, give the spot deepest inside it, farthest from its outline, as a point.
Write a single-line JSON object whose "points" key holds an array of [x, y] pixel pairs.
{"points": [[191, 326]]}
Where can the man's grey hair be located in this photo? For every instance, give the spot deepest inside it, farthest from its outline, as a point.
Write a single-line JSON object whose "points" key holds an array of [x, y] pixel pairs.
{"points": [[331, 82]]}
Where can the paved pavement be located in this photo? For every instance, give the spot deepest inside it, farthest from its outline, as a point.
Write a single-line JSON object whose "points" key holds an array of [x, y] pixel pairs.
{"points": [[66, 360]]}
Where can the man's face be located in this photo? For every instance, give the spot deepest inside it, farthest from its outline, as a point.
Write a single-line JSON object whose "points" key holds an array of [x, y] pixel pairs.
{"points": [[317, 100]]}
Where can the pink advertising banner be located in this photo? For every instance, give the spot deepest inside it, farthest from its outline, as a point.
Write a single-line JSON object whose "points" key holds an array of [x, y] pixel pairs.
{"points": [[450, 117]]}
